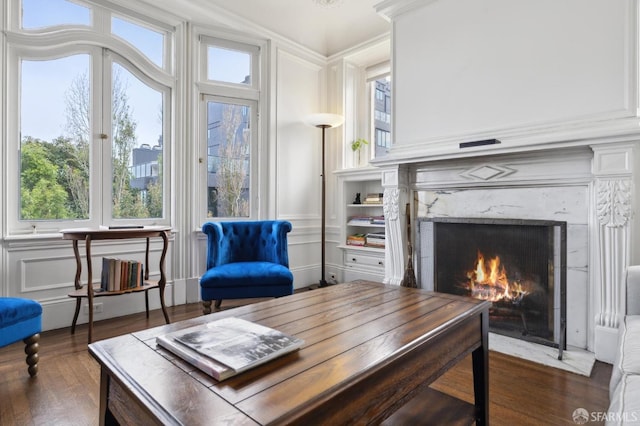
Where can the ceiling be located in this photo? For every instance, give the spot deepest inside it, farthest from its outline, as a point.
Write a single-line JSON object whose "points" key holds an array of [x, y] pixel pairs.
{"points": [[324, 30]]}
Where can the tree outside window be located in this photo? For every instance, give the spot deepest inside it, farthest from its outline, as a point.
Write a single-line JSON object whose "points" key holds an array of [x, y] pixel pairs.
{"points": [[228, 148], [55, 174]]}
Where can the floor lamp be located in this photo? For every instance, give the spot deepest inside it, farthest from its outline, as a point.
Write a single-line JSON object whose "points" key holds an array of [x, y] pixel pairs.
{"points": [[324, 121]]}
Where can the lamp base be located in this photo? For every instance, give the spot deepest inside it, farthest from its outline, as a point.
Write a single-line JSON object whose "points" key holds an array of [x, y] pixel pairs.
{"points": [[323, 283]]}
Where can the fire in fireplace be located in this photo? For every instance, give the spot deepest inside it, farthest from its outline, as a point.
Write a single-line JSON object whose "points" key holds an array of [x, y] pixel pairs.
{"points": [[518, 265], [489, 281]]}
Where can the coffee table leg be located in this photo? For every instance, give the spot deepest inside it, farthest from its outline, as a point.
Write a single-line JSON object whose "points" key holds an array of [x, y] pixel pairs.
{"points": [[480, 359], [105, 416]]}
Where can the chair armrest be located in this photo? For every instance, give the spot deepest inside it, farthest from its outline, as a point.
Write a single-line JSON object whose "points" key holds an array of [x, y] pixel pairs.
{"points": [[633, 290]]}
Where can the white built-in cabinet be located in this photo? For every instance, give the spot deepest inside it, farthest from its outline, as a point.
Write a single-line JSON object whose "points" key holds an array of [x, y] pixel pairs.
{"points": [[366, 261]]}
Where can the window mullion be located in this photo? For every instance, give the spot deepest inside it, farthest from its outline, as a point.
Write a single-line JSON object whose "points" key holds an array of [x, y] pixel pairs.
{"points": [[104, 135]]}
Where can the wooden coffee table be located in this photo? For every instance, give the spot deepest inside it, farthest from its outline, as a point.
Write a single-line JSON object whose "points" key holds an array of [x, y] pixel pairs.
{"points": [[369, 348]]}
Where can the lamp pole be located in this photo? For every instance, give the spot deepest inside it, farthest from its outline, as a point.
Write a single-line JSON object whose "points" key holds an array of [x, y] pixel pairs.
{"points": [[324, 121], [323, 282]]}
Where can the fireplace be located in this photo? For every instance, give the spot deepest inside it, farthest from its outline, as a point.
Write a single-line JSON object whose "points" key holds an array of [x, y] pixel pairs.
{"points": [[517, 265]]}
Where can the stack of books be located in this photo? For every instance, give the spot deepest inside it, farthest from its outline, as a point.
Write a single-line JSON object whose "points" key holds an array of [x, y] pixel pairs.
{"points": [[359, 220], [374, 198], [356, 240], [228, 346], [120, 275], [377, 220], [375, 239]]}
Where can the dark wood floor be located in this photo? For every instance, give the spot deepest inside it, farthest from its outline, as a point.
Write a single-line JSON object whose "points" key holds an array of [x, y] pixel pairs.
{"points": [[66, 390]]}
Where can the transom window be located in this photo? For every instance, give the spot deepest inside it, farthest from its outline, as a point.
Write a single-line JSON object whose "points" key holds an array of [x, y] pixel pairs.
{"points": [[149, 42], [228, 65], [38, 14]]}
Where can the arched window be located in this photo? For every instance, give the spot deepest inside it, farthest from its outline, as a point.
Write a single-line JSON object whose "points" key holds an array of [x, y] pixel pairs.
{"points": [[88, 88]]}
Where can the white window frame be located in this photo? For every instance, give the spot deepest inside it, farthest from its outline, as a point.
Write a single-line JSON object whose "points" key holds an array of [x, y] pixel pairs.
{"points": [[233, 93], [65, 40]]}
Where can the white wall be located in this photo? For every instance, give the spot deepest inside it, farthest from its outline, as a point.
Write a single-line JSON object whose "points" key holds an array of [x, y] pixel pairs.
{"points": [[467, 68], [301, 91]]}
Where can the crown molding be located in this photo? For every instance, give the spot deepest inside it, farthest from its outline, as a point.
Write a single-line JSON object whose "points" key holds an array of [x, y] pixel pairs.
{"points": [[390, 9]]}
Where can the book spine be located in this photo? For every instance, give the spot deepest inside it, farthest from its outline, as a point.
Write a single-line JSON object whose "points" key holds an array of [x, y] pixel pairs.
{"points": [[112, 274], [104, 277]]}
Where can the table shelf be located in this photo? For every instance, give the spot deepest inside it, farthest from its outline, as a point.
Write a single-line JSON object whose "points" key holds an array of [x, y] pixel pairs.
{"points": [[98, 292]]}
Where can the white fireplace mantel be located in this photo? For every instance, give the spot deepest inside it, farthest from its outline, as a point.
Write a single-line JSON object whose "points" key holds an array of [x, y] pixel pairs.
{"points": [[592, 186]]}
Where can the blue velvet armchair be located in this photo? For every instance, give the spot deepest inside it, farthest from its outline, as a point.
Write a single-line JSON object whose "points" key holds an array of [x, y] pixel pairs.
{"points": [[244, 260]]}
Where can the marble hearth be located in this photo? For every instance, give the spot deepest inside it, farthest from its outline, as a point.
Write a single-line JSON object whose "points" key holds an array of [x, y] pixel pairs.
{"points": [[589, 186]]}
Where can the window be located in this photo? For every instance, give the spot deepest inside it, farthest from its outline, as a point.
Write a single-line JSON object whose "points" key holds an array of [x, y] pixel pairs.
{"points": [[47, 13], [229, 83], [228, 147], [228, 65], [93, 127], [54, 143], [137, 122], [149, 42], [381, 116]]}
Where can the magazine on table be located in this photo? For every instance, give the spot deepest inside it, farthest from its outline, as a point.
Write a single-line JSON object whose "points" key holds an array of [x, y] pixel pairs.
{"points": [[226, 347]]}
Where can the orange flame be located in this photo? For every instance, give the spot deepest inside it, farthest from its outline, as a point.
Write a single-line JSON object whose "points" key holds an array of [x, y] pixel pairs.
{"points": [[491, 283]]}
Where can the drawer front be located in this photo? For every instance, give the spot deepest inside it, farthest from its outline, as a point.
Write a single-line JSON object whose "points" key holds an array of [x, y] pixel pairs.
{"points": [[357, 259]]}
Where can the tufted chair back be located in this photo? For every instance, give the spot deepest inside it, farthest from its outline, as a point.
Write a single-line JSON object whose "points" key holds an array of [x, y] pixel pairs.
{"points": [[247, 241]]}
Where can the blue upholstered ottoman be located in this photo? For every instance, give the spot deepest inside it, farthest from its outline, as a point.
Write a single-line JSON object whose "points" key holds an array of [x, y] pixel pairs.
{"points": [[21, 319]]}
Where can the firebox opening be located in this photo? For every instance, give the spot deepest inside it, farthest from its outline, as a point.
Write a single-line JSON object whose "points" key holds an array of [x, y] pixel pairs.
{"points": [[518, 265]]}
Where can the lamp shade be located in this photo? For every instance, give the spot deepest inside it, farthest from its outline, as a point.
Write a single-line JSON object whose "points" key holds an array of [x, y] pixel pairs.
{"points": [[324, 120]]}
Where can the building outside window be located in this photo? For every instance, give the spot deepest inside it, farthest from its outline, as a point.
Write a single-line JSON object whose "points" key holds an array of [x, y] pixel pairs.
{"points": [[381, 102]]}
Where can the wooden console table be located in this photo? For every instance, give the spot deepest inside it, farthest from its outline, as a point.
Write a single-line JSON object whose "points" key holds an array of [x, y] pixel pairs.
{"points": [[369, 349], [90, 234]]}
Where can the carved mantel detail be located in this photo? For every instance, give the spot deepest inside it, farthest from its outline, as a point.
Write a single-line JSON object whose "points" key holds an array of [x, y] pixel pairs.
{"points": [[613, 202], [390, 203], [613, 192], [613, 210], [394, 181]]}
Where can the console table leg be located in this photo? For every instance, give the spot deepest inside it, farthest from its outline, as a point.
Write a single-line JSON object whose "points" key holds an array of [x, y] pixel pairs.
{"points": [[75, 315], [164, 308], [163, 280], [87, 243]]}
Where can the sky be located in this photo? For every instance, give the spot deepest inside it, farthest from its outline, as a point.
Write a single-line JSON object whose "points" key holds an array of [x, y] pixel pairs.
{"points": [[44, 85]]}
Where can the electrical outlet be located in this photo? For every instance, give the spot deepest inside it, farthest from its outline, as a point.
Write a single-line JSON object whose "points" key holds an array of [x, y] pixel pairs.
{"points": [[97, 308]]}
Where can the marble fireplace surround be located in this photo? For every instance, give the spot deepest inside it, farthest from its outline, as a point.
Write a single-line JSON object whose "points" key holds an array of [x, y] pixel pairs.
{"points": [[588, 185]]}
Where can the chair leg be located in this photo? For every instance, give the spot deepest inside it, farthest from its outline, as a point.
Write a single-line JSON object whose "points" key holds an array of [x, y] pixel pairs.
{"points": [[31, 349], [218, 303], [206, 307]]}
